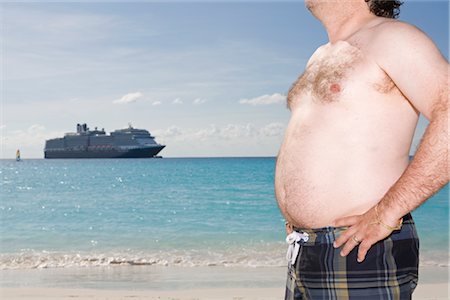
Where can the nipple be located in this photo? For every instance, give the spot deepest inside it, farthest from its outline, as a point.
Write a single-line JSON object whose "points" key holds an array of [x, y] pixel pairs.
{"points": [[335, 88]]}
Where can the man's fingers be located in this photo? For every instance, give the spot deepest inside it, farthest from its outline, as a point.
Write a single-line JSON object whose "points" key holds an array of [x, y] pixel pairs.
{"points": [[348, 247], [344, 237], [362, 250], [346, 221], [347, 239]]}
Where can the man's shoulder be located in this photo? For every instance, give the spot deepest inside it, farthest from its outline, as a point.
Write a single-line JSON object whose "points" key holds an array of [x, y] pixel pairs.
{"points": [[391, 36], [392, 32], [389, 24], [412, 60]]}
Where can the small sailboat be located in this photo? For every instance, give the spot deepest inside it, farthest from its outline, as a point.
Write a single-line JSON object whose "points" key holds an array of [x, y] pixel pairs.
{"points": [[18, 155]]}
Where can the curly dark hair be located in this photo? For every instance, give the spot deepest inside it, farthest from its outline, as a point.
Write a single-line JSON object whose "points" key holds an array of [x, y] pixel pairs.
{"points": [[385, 8]]}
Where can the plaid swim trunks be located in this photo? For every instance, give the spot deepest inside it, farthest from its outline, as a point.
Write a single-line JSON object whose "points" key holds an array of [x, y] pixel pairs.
{"points": [[389, 271]]}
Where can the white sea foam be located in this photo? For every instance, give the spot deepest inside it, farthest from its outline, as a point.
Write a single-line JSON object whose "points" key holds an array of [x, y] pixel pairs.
{"points": [[244, 257], [43, 259]]}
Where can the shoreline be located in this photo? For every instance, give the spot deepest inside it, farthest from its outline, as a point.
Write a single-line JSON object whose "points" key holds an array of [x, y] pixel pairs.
{"points": [[174, 283], [435, 291]]}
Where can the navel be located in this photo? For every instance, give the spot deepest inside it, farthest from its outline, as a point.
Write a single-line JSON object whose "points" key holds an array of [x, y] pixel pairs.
{"points": [[335, 88]]}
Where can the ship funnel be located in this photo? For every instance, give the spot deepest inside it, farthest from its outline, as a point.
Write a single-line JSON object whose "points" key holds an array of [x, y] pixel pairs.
{"points": [[82, 128]]}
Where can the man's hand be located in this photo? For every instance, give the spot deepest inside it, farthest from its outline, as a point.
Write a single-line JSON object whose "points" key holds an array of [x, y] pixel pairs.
{"points": [[365, 230]]}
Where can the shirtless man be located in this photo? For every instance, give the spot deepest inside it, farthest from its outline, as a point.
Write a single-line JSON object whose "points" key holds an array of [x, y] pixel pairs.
{"points": [[343, 179]]}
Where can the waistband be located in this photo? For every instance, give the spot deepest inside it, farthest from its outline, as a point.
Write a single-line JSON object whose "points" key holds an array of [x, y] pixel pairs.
{"points": [[328, 233]]}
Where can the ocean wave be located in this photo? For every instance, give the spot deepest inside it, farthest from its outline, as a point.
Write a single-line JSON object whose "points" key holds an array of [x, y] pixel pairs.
{"points": [[45, 259], [437, 262], [244, 257]]}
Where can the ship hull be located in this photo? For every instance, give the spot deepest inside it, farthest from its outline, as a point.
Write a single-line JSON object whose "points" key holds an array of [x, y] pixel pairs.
{"points": [[112, 153]]}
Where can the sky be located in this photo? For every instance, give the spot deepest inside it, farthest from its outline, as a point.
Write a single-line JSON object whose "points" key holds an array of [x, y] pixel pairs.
{"points": [[205, 78]]}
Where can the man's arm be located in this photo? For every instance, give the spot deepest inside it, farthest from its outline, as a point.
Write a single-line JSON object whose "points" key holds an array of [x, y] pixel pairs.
{"points": [[428, 171], [421, 73]]}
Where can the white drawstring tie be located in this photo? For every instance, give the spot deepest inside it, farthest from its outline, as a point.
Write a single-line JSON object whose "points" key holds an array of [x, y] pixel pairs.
{"points": [[293, 240]]}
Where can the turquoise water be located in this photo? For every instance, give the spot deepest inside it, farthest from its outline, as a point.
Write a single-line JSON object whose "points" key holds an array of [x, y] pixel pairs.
{"points": [[171, 211]]}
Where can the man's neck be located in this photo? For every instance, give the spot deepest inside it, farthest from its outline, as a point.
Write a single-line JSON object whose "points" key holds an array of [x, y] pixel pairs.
{"points": [[342, 19]]}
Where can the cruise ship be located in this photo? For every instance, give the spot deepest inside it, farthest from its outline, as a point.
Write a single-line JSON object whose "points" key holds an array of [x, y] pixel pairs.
{"points": [[121, 143]]}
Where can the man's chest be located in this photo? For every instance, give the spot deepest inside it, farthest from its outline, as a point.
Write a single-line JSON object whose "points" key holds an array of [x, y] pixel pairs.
{"points": [[333, 70]]}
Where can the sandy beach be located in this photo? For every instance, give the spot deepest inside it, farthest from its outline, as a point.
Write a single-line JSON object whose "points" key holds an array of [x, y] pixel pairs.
{"points": [[425, 291], [207, 283]]}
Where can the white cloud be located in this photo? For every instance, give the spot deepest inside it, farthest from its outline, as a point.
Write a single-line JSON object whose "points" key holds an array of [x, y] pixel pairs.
{"points": [[232, 131], [238, 139], [2, 126], [177, 101], [227, 132], [35, 129], [30, 140], [129, 98], [199, 101], [155, 103], [173, 131], [265, 99], [273, 129], [203, 134]]}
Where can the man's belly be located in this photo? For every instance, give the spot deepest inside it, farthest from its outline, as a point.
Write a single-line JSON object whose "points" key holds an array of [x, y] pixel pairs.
{"points": [[324, 172]]}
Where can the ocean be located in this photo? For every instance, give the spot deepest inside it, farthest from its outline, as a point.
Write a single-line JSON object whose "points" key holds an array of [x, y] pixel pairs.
{"points": [[189, 212]]}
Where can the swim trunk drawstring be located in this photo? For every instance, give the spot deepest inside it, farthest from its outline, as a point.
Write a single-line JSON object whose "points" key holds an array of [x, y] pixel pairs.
{"points": [[293, 239]]}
